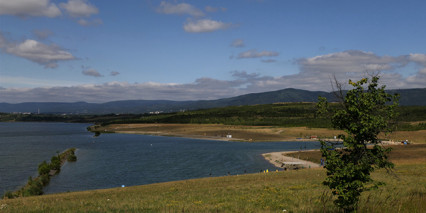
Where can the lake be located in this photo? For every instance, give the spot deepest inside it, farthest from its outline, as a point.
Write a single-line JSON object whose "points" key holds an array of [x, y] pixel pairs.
{"points": [[113, 160]]}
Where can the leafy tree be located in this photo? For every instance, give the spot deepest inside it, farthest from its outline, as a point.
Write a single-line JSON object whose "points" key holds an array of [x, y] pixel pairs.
{"points": [[366, 110]]}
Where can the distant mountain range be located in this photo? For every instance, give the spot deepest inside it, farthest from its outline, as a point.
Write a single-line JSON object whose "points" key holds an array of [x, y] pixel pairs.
{"points": [[407, 97]]}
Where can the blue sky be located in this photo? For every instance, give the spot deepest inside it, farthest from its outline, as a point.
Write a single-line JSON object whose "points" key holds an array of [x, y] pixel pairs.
{"points": [[98, 51]]}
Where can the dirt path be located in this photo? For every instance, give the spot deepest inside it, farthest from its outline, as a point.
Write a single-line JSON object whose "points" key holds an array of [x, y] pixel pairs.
{"points": [[279, 159]]}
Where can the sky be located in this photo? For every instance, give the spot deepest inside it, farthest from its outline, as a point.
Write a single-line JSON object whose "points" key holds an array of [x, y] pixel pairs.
{"points": [[98, 51]]}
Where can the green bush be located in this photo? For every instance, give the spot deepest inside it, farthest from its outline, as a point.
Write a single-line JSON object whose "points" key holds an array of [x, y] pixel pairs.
{"points": [[44, 179], [8, 194], [72, 158], [33, 187], [43, 168], [55, 163]]}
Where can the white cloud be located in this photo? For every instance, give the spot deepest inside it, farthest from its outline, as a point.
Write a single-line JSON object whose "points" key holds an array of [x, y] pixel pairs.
{"points": [[204, 25], [91, 72], [355, 64], [256, 54], [353, 61], [179, 9], [200, 89], [314, 74], [238, 43], [25, 8], [417, 58], [43, 54], [79, 8], [31, 82]]}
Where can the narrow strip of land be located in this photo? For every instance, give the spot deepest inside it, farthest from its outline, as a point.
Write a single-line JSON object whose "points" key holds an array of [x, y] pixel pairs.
{"points": [[222, 132], [246, 133], [280, 160]]}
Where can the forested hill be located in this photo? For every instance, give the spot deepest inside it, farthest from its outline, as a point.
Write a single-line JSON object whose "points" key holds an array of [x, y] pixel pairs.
{"points": [[408, 97]]}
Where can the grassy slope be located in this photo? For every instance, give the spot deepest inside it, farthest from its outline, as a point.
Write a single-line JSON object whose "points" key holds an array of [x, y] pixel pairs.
{"points": [[294, 191]]}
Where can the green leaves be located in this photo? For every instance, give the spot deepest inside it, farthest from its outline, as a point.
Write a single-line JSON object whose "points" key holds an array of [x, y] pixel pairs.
{"points": [[366, 111]]}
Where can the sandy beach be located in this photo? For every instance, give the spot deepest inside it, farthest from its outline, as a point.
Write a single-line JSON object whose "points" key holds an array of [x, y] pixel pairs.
{"points": [[281, 161]]}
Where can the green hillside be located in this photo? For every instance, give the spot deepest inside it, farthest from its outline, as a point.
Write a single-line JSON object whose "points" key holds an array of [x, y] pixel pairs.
{"points": [[280, 114]]}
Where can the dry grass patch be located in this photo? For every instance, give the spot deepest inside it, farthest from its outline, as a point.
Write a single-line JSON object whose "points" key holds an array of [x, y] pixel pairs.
{"points": [[412, 136], [400, 154]]}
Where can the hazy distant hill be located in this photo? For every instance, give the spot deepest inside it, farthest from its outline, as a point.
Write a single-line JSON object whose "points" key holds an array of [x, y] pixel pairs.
{"points": [[408, 97]]}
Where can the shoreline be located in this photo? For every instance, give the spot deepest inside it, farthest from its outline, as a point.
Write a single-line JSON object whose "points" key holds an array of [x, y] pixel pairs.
{"points": [[215, 138], [246, 134], [238, 133], [275, 158], [219, 132], [280, 160]]}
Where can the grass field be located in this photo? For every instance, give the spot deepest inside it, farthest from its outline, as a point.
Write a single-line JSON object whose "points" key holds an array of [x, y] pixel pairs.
{"points": [[293, 191], [400, 154]]}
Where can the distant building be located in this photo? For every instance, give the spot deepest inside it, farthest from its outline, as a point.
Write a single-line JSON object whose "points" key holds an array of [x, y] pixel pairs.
{"points": [[155, 113]]}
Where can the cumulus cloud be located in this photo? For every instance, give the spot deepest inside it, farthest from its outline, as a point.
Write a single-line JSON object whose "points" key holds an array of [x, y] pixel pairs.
{"points": [[355, 64], [24, 8], [79, 8], [179, 9], [91, 72], [314, 75], [204, 25], [256, 54], [238, 43], [417, 58], [195, 24], [43, 54], [353, 61], [201, 89], [74, 8]]}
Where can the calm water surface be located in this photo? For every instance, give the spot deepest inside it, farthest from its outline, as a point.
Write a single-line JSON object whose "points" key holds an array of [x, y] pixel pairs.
{"points": [[112, 160]]}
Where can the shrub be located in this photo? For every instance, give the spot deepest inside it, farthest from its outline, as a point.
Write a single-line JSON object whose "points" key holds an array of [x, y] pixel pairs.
{"points": [[43, 168], [9, 195]]}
